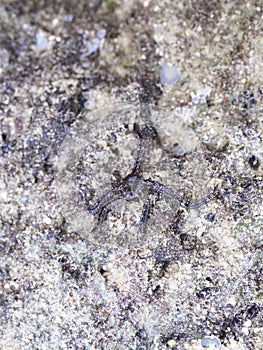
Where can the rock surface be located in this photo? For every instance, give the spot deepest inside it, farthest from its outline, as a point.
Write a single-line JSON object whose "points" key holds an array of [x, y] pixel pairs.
{"points": [[131, 214]]}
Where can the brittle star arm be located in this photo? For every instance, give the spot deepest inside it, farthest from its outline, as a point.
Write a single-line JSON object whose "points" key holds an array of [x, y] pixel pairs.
{"points": [[101, 207], [139, 158], [145, 134], [203, 200], [145, 214], [146, 211], [166, 191]]}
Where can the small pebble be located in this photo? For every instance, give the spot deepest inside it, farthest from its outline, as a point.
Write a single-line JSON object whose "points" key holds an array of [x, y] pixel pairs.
{"points": [[200, 231], [171, 343], [42, 42], [4, 58], [210, 217], [101, 33], [68, 18], [254, 162], [245, 330], [47, 220], [247, 323], [211, 342], [169, 75], [201, 95]]}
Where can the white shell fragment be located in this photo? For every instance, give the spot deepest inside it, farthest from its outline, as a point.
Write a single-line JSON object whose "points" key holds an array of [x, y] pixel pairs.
{"points": [[211, 342], [201, 95], [94, 44], [41, 41], [169, 75]]}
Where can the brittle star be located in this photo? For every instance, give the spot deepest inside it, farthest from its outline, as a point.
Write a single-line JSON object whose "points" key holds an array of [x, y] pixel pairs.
{"points": [[127, 187]]}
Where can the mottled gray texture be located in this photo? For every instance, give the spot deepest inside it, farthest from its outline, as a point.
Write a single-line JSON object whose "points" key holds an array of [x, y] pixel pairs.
{"points": [[75, 76]]}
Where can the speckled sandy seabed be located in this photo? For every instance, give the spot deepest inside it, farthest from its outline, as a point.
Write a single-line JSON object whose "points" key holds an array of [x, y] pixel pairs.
{"points": [[74, 79]]}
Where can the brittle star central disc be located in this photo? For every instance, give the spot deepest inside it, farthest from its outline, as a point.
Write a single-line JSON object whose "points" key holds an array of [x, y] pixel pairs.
{"points": [[121, 177]]}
